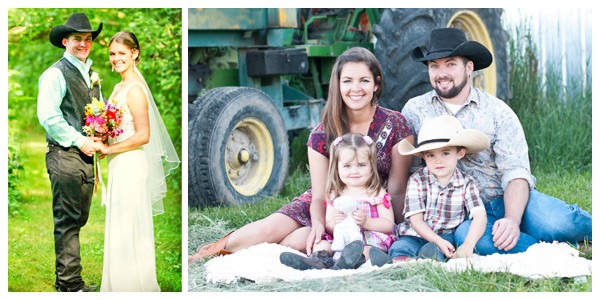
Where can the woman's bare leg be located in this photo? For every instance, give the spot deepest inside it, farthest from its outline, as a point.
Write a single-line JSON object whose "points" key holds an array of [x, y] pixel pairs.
{"points": [[272, 229], [297, 239]]}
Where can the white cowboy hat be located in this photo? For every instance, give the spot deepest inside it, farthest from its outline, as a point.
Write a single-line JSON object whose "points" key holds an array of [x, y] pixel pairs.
{"points": [[444, 131]]}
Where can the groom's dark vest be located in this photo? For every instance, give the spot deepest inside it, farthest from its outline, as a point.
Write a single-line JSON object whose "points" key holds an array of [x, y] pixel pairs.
{"points": [[77, 96]]}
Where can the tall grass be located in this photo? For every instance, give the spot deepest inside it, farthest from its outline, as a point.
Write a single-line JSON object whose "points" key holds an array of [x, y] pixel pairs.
{"points": [[558, 125]]}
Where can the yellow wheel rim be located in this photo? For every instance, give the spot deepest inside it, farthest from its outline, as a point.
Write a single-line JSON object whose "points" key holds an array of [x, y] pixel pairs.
{"points": [[470, 23], [249, 156]]}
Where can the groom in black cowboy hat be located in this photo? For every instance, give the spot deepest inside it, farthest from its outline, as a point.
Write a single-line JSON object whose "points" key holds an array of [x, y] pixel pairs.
{"points": [[518, 216], [64, 90]]}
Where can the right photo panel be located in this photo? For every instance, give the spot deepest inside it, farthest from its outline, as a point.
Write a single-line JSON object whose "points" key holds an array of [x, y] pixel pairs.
{"points": [[389, 150]]}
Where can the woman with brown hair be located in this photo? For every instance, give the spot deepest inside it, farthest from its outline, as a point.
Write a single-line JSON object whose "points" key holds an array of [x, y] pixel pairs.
{"points": [[355, 86]]}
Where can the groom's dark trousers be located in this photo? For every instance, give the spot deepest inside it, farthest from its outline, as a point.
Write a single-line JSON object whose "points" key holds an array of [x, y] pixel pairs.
{"points": [[72, 179]]}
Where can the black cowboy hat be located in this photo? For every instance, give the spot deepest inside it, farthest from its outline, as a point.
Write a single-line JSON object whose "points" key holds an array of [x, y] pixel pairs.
{"points": [[77, 22], [448, 42]]}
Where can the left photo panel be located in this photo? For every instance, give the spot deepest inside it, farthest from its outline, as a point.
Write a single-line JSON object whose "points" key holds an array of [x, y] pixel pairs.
{"points": [[94, 150]]}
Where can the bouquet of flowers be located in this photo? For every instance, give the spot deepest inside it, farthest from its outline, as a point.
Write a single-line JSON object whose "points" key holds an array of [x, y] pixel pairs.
{"points": [[102, 118]]}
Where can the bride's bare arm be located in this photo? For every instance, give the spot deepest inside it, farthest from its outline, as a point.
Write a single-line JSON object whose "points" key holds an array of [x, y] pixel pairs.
{"points": [[138, 107]]}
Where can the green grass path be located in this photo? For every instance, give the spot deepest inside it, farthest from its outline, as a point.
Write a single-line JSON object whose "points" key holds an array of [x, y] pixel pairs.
{"points": [[30, 232]]}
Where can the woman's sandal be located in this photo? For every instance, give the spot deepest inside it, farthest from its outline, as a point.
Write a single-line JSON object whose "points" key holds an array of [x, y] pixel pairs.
{"points": [[211, 249]]}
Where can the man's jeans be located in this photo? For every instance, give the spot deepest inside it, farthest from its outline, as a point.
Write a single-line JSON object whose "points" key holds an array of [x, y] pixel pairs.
{"points": [[72, 180], [545, 219]]}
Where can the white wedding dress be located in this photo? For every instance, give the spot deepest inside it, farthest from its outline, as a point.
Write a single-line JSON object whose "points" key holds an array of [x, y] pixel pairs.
{"points": [[129, 255]]}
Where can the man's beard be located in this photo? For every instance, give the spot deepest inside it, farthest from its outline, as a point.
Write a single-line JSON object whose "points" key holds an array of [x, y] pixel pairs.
{"points": [[453, 92]]}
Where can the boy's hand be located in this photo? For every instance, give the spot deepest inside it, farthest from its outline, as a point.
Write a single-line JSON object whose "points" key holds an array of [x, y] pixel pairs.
{"points": [[446, 247], [464, 251]]}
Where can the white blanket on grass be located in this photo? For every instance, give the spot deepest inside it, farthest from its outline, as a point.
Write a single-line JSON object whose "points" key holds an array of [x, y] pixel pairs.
{"points": [[261, 264]]}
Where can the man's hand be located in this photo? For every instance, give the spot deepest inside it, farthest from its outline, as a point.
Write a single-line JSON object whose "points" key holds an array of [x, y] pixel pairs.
{"points": [[90, 147], [505, 234]]}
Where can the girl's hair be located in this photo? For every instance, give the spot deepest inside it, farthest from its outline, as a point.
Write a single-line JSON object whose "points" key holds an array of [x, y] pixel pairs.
{"points": [[356, 142], [333, 118], [128, 39]]}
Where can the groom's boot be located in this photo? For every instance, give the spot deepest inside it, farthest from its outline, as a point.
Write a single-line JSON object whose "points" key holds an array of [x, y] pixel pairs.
{"points": [[316, 260]]}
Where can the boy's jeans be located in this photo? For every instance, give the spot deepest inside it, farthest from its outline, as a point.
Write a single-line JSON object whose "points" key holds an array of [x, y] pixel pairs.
{"points": [[413, 246]]}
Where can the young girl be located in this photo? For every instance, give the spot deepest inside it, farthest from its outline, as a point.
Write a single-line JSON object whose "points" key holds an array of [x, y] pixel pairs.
{"points": [[353, 177]]}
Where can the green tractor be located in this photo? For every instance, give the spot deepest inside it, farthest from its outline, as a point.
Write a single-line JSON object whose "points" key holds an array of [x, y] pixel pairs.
{"points": [[256, 74]]}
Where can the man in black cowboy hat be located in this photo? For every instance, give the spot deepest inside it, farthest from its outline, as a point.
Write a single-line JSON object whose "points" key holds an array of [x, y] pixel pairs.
{"points": [[64, 90], [518, 216]]}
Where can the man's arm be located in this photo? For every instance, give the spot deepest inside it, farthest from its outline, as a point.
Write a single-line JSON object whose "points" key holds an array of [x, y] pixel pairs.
{"points": [[506, 231], [52, 89], [512, 159]]}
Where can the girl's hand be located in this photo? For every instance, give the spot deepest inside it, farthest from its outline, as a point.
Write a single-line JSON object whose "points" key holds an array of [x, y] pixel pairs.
{"points": [[338, 216], [359, 217]]}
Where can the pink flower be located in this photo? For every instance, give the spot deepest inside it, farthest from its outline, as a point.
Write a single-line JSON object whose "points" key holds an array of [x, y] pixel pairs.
{"points": [[102, 118]]}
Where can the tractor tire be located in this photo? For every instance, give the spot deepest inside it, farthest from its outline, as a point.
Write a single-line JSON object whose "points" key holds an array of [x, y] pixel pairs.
{"points": [[401, 30], [238, 147]]}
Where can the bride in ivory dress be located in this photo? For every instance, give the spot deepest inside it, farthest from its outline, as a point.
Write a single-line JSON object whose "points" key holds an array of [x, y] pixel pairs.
{"points": [[139, 159]]}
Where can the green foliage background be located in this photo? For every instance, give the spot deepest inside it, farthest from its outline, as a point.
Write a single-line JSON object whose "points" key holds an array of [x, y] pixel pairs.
{"points": [[159, 34], [30, 53]]}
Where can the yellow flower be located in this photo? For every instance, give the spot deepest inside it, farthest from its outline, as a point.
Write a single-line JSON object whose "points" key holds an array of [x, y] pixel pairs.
{"points": [[99, 104]]}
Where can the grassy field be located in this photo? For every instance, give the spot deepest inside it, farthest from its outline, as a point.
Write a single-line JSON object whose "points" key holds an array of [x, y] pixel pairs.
{"points": [[30, 230], [209, 224]]}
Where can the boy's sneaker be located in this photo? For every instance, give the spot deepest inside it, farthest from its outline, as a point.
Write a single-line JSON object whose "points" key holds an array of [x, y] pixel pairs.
{"points": [[378, 257], [431, 251]]}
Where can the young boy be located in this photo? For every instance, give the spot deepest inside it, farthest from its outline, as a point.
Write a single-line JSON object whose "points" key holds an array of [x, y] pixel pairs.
{"points": [[439, 197]]}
